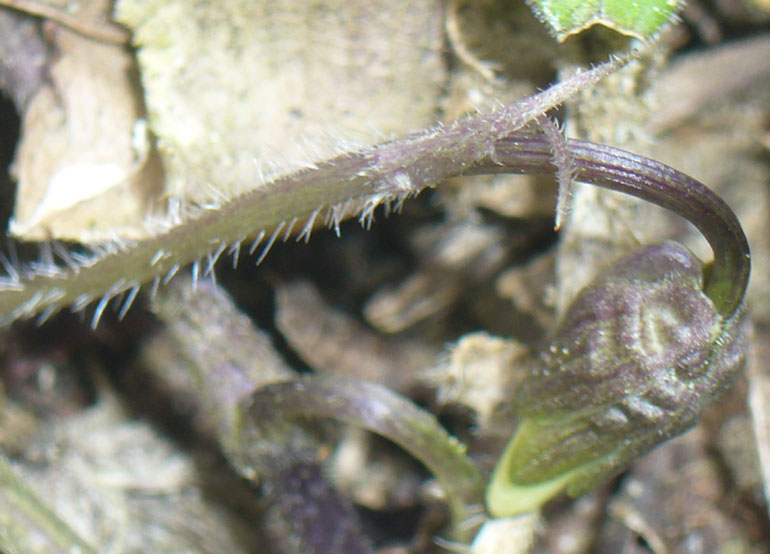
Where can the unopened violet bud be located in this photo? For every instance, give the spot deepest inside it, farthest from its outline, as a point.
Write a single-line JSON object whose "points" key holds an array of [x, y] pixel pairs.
{"points": [[639, 354]]}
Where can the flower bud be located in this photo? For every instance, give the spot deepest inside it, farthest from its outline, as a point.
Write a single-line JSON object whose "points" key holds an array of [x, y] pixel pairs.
{"points": [[640, 353]]}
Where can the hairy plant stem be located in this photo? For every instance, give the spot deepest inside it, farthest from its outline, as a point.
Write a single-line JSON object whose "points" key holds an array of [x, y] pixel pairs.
{"points": [[349, 184], [356, 183]]}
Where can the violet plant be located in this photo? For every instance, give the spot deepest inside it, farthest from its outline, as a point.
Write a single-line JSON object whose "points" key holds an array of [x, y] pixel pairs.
{"points": [[640, 353]]}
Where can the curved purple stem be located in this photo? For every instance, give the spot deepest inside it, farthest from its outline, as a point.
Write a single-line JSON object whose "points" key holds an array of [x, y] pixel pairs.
{"points": [[378, 409], [611, 168]]}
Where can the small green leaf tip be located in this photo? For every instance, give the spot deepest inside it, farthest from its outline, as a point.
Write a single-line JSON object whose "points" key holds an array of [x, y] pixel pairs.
{"points": [[640, 353], [641, 19]]}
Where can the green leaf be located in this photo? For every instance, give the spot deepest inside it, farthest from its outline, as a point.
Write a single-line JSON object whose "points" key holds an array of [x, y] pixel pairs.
{"points": [[641, 19]]}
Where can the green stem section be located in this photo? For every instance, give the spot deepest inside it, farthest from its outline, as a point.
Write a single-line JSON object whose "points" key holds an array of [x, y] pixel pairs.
{"points": [[386, 413]]}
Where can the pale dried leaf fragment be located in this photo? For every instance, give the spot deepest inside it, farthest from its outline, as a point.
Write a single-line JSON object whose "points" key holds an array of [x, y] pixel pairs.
{"points": [[123, 487], [478, 373], [241, 91], [530, 289], [513, 535], [83, 162]]}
